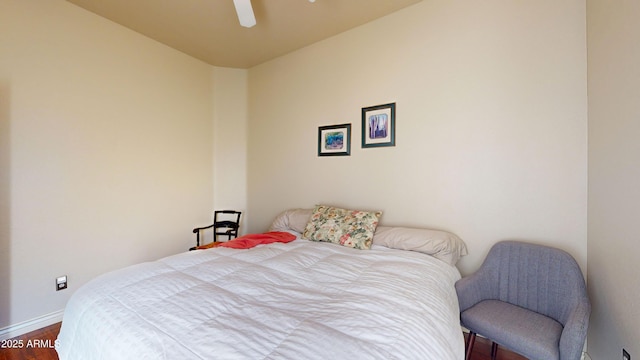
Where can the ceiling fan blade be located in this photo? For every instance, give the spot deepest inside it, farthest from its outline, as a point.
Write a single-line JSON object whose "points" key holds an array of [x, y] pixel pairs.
{"points": [[245, 13]]}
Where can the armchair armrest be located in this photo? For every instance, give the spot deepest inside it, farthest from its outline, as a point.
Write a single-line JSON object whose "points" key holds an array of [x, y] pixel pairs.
{"points": [[474, 288], [197, 232], [202, 228], [575, 331]]}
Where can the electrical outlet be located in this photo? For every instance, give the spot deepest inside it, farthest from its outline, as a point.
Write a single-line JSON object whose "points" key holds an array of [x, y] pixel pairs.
{"points": [[625, 355], [61, 283]]}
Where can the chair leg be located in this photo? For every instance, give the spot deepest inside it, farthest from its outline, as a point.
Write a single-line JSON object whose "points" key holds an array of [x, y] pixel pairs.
{"points": [[470, 342], [494, 350]]}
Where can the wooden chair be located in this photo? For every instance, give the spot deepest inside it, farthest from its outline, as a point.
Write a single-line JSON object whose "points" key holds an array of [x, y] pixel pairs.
{"points": [[225, 223]]}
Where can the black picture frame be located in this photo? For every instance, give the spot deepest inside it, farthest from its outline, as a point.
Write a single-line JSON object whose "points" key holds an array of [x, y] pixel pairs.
{"points": [[379, 126], [334, 140]]}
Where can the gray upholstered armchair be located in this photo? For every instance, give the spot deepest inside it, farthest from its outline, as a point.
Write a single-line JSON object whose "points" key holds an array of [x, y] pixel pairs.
{"points": [[529, 298]]}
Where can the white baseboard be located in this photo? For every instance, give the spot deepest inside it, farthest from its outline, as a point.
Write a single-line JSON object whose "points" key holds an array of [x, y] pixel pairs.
{"points": [[24, 327]]}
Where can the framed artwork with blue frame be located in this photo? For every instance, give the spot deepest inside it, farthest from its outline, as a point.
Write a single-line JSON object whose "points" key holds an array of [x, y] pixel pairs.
{"points": [[379, 125], [334, 140]]}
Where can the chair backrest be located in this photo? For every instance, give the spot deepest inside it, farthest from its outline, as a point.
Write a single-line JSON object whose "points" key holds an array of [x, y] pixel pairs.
{"points": [[226, 222], [536, 277]]}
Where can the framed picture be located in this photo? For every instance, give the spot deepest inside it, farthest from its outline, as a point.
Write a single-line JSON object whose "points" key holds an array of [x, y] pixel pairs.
{"points": [[334, 140], [379, 125]]}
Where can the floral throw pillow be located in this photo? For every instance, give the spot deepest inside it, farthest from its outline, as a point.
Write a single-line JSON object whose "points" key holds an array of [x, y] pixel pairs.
{"points": [[351, 228]]}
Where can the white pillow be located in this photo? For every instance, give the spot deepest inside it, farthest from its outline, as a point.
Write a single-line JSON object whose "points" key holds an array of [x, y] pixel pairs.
{"points": [[293, 219], [440, 244]]}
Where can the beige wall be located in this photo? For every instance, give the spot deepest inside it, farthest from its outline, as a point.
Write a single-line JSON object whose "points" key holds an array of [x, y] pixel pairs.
{"points": [[230, 140], [491, 123], [614, 177], [105, 151]]}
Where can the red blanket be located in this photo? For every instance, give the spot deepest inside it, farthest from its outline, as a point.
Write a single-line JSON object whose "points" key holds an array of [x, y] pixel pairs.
{"points": [[252, 240]]}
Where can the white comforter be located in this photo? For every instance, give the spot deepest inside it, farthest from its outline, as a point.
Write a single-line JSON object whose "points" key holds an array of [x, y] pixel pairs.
{"points": [[301, 300]]}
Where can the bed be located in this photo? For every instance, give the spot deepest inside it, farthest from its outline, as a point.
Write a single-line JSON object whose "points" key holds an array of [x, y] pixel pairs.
{"points": [[298, 300]]}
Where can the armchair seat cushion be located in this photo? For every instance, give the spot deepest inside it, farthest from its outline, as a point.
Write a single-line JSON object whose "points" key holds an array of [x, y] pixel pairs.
{"points": [[523, 331]]}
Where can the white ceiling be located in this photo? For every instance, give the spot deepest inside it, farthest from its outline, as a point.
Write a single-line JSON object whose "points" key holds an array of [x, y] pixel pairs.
{"points": [[209, 29]]}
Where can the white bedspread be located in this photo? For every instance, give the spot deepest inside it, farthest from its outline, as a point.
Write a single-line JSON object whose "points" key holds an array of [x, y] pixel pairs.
{"points": [[301, 300]]}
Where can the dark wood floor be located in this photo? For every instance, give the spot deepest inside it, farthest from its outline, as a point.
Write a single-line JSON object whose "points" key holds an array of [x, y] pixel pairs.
{"points": [[482, 351], [38, 345]]}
